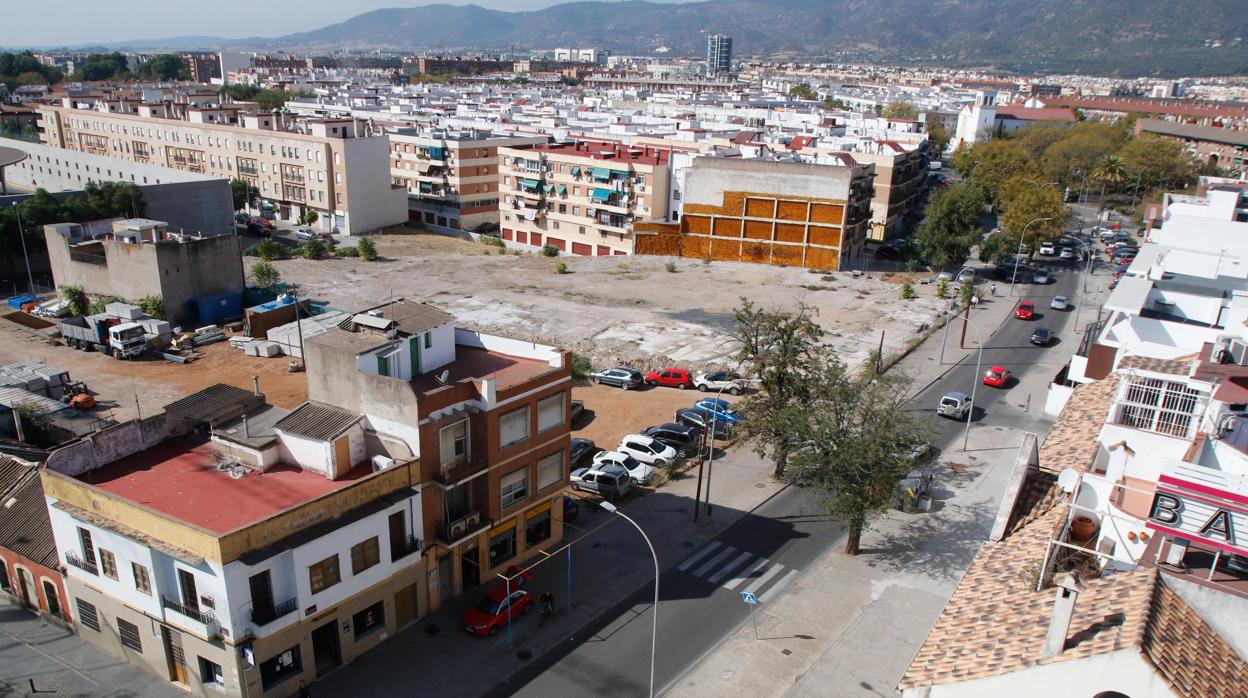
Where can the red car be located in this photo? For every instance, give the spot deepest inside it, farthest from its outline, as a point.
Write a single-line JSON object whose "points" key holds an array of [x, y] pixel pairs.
{"points": [[670, 377], [496, 609], [1025, 310], [997, 376], [261, 222]]}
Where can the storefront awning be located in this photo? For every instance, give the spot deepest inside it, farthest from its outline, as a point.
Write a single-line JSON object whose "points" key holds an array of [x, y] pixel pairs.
{"points": [[602, 195]]}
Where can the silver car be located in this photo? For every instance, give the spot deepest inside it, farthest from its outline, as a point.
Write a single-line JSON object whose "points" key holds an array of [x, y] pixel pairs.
{"points": [[954, 405], [1060, 303]]}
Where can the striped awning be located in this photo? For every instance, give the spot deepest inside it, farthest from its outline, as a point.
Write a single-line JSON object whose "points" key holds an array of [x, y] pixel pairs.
{"points": [[563, 190], [530, 184], [602, 173], [602, 195], [576, 170]]}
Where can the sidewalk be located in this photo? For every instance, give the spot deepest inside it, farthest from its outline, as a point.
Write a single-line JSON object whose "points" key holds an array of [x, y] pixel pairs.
{"points": [[607, 564]]}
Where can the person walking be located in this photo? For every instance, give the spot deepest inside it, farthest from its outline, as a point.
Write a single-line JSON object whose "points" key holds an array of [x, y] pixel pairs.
{"points": [[547, 602], [994, 290]]}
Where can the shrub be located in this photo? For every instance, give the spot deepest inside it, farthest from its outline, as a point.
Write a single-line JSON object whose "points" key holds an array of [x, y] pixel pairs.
{"points": [[561, 268], [550, 251], [267, 249], [492, 241], [77, 299], [313, 249], [368, 249], [98, 305], [912, 265], [581, 366], [907, 292], [153, 306], [264, 274], [347, 252], [942, 289], [670, 267]]}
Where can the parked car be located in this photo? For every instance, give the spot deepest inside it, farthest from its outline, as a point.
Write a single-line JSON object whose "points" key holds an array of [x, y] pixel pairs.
{"points": [[578, 409], [729, 382], [1048, 248], [261, 222], [717, 409], [495, 609], [997, 376], [639, 473], [892, 252], [646, 449], [620, 377], [670, 377], [1040, 277], [685, 439], [702, 422], [609, 481], [1066, 253], [1042, 337], [946, 275], [305, 234], [257, 231], [954, 405], [241, 218], [1060, 303], [967, 274], [582, 449], [1026, 310]]}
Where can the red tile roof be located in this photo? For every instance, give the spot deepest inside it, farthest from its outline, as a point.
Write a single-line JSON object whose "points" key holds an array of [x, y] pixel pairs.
{"points": [[1034, 114], [1150, 106], [608, 151]]}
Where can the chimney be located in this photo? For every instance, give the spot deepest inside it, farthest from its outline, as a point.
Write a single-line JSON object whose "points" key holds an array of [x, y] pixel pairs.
{"points": [[255, 384], [1068, 587], [246, 429]]}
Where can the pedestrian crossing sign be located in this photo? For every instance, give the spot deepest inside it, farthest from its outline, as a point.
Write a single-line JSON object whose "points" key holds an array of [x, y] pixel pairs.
{"points": [[748, 598]]}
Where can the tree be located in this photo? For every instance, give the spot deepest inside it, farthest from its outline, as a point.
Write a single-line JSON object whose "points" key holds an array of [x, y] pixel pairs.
{"points": [[1110, 170], [1077, 153], [776, 345], [313, 249], [1027, 201], [102, 66], [900, 110], [850, 438], [77, 300], [153, 306], [952, 225], [309, 216], [164, 66], [832, 103], [937, 135], [998, 160], [244, 194], [264, 274], [1158, 163], [368, 249], [802, 91]]}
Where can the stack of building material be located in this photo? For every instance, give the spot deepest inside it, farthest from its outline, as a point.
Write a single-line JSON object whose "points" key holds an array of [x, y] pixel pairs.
{"points": [[262, 348], [124, 312], [34, 376], [287, 336]]}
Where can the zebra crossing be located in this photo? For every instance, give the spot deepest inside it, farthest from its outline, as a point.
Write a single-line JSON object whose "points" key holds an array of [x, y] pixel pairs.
{"points": [[731, 568]]}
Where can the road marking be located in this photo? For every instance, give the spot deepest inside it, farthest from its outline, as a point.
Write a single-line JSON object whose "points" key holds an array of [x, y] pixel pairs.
{"points": [[736, 581], [726, 569], [698, 555], [710, 564], [758, 583], [777, 587]]}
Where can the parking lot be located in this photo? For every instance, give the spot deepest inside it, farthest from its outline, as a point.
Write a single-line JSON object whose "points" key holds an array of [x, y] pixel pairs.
{"points": [[611, 413]]}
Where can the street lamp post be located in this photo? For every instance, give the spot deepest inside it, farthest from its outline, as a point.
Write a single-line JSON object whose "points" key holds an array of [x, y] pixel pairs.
{"points": [[979, 360], [21, 235], [710, 454], [654, 628], [1023, 236]]}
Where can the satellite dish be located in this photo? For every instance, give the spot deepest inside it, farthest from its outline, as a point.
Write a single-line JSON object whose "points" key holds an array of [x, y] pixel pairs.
{"points": [[444, 377], [1068, 479]]}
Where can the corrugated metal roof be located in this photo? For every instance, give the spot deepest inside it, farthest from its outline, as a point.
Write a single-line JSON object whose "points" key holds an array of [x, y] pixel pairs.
{"points": [[413, 317], [213, 403], [316, 420], [40, 404], [24, 525], [11, 470]]}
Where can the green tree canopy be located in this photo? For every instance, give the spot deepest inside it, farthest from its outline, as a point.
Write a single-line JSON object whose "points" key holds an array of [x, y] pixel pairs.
{"points": [[18, 69], [952, 225], [243, 193], [1025, 202], [996, 161], [164, 66], [1158, 163], [802, 91], [900, 110], [937, 135], [102, 66]]}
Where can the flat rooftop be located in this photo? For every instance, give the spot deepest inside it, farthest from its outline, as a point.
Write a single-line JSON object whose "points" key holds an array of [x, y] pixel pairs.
{"points": [[179, 478], [608, 152], [472, 363]]}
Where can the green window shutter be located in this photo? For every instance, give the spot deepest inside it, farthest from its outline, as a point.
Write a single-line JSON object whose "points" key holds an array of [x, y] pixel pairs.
{"points": [[415, 349], [383, 366], [428, 340]]}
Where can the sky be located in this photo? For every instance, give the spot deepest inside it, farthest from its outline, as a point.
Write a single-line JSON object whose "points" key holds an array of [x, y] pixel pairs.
{"points": [[76, 22]]}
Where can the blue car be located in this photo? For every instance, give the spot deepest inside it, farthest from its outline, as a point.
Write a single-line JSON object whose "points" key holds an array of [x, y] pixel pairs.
{"points": [[717, 409]]}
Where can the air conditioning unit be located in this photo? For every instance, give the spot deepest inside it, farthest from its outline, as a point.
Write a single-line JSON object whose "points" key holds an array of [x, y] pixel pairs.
{"points": [[472, 519], [458, 528]]}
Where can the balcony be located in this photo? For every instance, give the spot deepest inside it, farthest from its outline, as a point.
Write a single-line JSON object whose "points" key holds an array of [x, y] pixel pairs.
{"points": [[200, 623], [268, 616], [82, 564], [402, 548], [453, 474], [452, 532]]}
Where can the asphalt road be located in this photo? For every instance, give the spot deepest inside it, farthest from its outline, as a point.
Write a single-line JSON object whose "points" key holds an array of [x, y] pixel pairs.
{"points": [[702, 602]]}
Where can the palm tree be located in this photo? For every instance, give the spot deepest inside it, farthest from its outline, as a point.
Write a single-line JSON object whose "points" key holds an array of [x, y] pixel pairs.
{"points": [[1111, 169]]}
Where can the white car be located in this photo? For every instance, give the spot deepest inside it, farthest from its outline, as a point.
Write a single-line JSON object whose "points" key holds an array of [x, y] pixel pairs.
{"points": [[1066, 253], [305, 234], [729, 382], [647, 449], [1048, 248], [639, 473], [1059, 303]]}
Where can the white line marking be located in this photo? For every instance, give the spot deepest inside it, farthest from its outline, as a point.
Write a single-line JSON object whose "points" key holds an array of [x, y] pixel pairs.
{"points": [[758, 583], [698, 555], [726, 569], [710, 564], [777, 587], [736, 581]]}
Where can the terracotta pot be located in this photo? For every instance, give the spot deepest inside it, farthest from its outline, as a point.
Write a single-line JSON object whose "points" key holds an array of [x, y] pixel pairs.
{"points": [[1082, 528], [1131, 536]]}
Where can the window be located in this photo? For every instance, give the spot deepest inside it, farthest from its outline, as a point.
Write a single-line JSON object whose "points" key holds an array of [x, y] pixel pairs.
{"points": [[324, 574], [1165, 407], [503, 545], [549, 470], [550, 411], [141, 581], [108, 564], [428, 340], [280, 667], [87, 615], [364, 555], [129, 634], [88, 548], [210, 673], [513, 427], [514, 487], [370, 620], [454, 443], [4, 576], [537, 525]]}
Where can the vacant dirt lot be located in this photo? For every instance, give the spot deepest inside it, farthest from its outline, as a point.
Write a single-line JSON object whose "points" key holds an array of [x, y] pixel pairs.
{"points": [[610, 413], [616, 310]]}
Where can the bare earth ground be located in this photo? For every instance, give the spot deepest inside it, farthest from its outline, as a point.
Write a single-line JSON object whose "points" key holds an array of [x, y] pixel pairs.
{"points": [[615, 310], [611, 413]]}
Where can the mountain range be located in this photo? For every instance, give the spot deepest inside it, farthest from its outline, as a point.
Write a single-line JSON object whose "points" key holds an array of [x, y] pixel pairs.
{"points": [[1108, 37]]}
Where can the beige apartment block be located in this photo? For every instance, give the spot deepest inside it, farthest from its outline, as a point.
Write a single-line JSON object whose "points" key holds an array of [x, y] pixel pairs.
{"points": [[583, 197], [330, 167], [451, 178]]}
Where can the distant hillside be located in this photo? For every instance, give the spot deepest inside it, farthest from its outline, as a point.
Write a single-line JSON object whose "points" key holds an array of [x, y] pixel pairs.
{"points": [[1139, 37]]}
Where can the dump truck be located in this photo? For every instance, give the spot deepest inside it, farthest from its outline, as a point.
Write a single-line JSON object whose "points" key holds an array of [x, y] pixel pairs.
{"points": [[124, 340]]}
